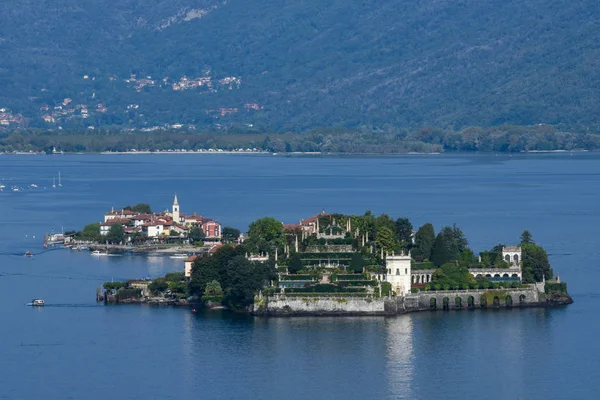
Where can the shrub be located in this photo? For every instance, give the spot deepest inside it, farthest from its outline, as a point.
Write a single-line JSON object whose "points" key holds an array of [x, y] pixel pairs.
{"points": [[556, 287], [414, 290]]}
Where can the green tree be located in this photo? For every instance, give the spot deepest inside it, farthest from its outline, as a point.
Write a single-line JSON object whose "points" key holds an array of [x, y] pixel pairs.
{"points": [[159, 285], [116, 234], [443, 250], [196, 234], [295, 264], [245, 280], [535, 263], [213, 292], [404, 231], [467, 258], [230, 234], [385, 239], [448, 245], [175, 277], [452, 275], [141, 208], [526, 238], [425, 238], [384, 221], [90, 232], [264, 235], [357, 263], [113, 285], [459, 239], [179, 287], [204, 270]]}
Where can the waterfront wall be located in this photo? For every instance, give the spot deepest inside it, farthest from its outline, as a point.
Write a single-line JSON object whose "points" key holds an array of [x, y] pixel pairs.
{"points": [[296, 305], [414, 302]]}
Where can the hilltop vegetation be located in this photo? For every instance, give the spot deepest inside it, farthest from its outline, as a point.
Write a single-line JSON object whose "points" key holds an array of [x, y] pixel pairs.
{"points": [[279, 66]]}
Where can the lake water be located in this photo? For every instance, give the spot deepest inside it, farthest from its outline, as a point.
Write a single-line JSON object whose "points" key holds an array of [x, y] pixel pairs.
{"points": [[76, 349]]}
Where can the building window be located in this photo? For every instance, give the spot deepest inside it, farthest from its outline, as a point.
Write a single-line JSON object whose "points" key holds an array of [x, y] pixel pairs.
{"points": [[405, 271], [397, 271]]}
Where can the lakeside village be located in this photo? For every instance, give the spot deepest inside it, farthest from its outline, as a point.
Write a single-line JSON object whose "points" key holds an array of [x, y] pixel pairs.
{"points": [[328, 264]]}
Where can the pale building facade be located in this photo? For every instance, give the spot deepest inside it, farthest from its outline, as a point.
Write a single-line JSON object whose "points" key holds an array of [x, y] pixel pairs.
{"points": [[399, 273], [512, 255]]}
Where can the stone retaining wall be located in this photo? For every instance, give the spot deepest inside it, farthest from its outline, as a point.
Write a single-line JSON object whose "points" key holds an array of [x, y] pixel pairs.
{"points": [[296, 305], [422, 301]]}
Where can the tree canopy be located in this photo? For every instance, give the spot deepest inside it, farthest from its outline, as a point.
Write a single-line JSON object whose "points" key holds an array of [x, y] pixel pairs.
{"points": [[116, 234], [295, 263], [141, 208], [264, 235], [239, 278], [425, 238], [404, 231], [536, 266]]}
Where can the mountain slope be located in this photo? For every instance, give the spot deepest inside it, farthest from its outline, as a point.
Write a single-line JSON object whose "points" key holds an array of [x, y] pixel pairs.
{"points": [[304, 64]]}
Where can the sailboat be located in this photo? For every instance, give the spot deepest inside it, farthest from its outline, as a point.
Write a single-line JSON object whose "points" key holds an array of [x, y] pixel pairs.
{"points": [[59, 184], [53, 182]]}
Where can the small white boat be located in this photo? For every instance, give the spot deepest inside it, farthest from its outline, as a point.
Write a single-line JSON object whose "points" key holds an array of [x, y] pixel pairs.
{"points": [[98, 253], [53, 182], [37, 303], [15, 189], [178, 256], [33, 185]]}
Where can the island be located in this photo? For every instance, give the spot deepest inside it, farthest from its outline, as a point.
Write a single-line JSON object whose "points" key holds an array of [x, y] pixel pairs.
{"points": [[137, 229], [336, 264]]}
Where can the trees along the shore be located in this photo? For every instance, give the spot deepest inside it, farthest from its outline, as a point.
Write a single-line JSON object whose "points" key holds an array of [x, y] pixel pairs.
{"points": [[204, 270], [453, 276], [424, 238], [239, 278], [357, 263], [159, 285], [295, 263], [404, 231], [90, 232], [246, 278], [535, 263], [116, 234], [213, 292], [264, 235]]}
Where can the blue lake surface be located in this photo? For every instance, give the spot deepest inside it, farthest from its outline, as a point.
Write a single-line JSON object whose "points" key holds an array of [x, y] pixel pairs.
{"points": [[76, 349]]}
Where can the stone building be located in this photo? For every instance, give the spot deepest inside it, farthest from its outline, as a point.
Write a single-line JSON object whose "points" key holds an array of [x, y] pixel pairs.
{"points": [[512, 255], [399, 273]]}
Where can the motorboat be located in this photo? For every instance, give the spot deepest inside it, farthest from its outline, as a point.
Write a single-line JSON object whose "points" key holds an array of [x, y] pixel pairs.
{"points": [[33, 185], [98, 253], [37, 303], [179, 256], [28, 254]]}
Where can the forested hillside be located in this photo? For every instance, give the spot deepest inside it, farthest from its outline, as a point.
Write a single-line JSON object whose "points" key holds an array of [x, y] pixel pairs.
{"points": [[295, 65]]}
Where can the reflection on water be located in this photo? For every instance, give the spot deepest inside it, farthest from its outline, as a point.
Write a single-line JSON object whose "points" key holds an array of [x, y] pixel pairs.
{"points": [[399, 365]]}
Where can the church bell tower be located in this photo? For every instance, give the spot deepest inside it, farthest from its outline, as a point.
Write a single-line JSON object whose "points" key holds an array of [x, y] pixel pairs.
{"points": [[175, 210]]}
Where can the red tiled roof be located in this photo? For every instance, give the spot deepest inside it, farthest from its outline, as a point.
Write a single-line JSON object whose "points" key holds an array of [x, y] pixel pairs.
{"points": [[191, 259]]}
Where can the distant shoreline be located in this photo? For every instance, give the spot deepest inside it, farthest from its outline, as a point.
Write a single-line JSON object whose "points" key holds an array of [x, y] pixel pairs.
{"points": [[294, 153]]}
